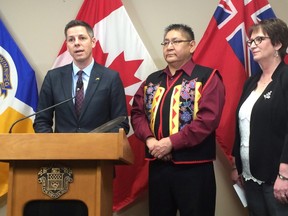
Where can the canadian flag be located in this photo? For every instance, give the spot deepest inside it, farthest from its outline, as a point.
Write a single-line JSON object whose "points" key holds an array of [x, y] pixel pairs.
{"points": [[120, 48]]}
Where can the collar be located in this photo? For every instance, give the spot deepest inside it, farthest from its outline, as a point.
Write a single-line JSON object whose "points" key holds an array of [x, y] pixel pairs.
{"points": [[86, 70], [186, 68]]}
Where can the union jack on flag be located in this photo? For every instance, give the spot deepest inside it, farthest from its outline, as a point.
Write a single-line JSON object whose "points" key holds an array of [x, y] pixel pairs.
{"points": [[223, 46], [227, 16]]}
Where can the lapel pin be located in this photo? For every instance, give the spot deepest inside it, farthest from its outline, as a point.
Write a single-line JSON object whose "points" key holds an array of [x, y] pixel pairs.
{"points": [[268, 95]]}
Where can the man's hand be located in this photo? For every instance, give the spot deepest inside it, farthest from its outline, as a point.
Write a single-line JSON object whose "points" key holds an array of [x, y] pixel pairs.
{"points": [[162, 148], [151, 142]]}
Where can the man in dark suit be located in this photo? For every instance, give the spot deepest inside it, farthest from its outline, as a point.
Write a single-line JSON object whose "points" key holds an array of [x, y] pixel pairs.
{"points": [[104, 97], [104, 100]]}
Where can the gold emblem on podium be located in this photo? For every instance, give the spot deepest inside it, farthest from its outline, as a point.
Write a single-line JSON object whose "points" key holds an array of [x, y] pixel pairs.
{"points": [[55, 180]]}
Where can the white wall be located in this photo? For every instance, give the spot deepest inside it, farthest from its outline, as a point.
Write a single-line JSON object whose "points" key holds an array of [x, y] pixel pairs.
{"points": [[37, 26]]}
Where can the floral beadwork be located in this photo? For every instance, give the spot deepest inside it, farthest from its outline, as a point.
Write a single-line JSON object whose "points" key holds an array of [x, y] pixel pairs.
{"points": [[148, 98], [187, 98]]}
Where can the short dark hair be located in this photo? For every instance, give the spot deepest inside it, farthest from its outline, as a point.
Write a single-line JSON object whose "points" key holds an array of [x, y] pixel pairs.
{"points": [[180, 27], [277, 31], [74, 23]]}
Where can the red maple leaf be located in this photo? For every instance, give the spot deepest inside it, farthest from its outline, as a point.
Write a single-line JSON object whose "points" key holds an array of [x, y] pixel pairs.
{"points": [[126, 69], [99, 55]]}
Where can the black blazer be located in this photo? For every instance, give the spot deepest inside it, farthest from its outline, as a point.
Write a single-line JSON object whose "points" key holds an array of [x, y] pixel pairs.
{"points": [[268, 126], [104, 101]]}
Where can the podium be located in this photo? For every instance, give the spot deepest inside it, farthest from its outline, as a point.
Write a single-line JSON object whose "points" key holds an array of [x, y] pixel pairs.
{"points": [[39, 163]]}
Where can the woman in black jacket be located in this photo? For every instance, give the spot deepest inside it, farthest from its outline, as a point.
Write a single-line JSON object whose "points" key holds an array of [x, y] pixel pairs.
{"points": [[261, 142]]}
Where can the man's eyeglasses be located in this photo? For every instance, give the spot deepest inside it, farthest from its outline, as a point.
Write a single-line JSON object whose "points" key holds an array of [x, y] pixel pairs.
{"points": [[256, 40], [174, 42]]}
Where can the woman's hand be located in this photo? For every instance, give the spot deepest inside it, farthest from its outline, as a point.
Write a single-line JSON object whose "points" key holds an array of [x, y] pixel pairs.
{"points": [[236, 178], [281, 190], [281, 184]]}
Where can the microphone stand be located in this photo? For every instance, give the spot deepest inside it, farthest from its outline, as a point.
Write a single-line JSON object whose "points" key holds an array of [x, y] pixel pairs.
{"points": [[21, 119], [79, 85]]}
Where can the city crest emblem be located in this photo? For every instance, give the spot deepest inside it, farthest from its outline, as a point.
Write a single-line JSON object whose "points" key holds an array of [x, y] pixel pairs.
{"points": [[55, 180]]}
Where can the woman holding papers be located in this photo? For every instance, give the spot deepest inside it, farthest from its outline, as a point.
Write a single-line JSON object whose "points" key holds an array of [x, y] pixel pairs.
{"points": [[261, 143]]}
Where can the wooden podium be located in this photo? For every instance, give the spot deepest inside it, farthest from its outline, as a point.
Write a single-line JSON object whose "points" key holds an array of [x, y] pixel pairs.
{"points": [[88, 157]]}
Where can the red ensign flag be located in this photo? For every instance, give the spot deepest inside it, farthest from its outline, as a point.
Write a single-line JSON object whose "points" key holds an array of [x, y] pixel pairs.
{"points": [[223, 46]]}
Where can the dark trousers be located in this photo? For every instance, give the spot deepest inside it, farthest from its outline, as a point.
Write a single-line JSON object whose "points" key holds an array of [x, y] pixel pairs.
{"points": [[191, 189], [261, 200]]}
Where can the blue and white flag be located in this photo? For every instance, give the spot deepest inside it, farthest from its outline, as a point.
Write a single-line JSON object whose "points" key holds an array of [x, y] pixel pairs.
{"points": [[18, 93]]}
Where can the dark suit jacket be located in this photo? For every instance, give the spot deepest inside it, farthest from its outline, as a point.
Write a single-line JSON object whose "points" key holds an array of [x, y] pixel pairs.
{"points": [[268, 144], [104, 100]]}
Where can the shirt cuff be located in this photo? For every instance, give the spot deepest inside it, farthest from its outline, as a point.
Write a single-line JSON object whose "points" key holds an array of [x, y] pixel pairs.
{"points": [[176, 141]]}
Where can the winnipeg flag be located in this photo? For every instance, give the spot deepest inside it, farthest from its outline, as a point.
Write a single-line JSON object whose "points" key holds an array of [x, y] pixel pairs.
{"points": [[18, 93], [120, 48], [223, 46]]}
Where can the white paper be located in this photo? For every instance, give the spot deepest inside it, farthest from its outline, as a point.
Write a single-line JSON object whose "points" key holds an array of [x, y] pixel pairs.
{"points": [[241, 194]]}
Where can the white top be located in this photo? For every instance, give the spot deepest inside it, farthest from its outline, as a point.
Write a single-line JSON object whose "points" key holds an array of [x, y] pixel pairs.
{"points": [[244, 127]]}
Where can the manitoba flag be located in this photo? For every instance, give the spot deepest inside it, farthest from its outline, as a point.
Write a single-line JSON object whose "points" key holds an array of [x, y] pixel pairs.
{"points": [[120, 48], [223, 46], [18, 93]]}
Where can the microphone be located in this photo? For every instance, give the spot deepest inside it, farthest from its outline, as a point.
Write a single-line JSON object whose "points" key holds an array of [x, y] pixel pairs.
{"points": [[79, 86], [106, 127]]}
